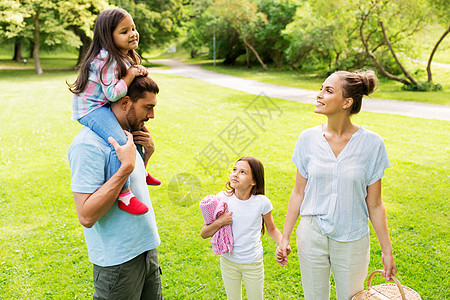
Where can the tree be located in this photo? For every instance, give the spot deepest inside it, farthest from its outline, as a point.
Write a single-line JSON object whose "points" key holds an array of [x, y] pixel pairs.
{"points": [[358, 33], [198, 27], [79, 16], [319, 35], [12, 24], [203, 24], [157, 21], [271, 43], [39, 22], [441, 9], [47, 27], [242, 17], [387, 24]]}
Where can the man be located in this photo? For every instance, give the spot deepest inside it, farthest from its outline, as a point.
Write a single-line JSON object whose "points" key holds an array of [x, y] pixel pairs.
{"points": [[121, 246]]}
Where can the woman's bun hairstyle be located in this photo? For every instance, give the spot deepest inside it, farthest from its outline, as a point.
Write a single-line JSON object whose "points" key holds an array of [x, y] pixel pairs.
{"points": [[357, 84]]}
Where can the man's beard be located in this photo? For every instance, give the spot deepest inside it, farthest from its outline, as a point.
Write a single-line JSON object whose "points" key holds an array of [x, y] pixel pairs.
{"points": [[132, 120]]}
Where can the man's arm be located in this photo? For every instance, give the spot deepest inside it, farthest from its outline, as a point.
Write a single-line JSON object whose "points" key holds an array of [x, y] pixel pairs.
{"points": [[91, 207]]}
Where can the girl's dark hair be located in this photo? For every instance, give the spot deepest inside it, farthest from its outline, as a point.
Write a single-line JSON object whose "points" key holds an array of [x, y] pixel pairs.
{"points": [[357, 84], [104, 27], [258, 176]]}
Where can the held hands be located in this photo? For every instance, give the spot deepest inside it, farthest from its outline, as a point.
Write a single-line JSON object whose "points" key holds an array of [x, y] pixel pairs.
{"points": [[282, 252], [126, 153], [144, 138]]}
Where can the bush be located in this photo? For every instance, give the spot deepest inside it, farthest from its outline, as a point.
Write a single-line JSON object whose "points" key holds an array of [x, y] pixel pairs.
{"points": [[422, 87]]}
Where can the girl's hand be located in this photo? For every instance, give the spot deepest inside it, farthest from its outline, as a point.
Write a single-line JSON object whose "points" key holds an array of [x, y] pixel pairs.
{"points": [[210, 229], [133, 71], [389, 267], [225, 219], [142, 70]]}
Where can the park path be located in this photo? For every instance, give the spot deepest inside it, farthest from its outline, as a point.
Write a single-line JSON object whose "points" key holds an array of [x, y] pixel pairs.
{"points": [[405, 108]]}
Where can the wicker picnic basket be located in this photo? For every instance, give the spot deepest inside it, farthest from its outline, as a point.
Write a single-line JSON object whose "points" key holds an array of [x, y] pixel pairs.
{"points": [[386, 291]]}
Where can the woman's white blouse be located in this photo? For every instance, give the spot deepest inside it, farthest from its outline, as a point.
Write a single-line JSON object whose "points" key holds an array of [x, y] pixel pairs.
{"points": [[337, 186]]}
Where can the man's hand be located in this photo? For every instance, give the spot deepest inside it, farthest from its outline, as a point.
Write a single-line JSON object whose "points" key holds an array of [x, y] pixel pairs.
{"points": [[144, 138], [126, 153]]}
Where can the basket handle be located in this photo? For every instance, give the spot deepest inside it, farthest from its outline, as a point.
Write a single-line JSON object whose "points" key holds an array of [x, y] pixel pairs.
{"points": [[369, 281]]}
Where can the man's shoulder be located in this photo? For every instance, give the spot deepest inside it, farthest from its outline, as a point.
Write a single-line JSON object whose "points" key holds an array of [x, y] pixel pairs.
{"points": [[87, 139]]}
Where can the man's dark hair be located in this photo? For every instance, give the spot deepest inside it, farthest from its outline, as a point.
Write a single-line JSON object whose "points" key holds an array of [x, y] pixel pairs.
{"points": [[139, 86]]}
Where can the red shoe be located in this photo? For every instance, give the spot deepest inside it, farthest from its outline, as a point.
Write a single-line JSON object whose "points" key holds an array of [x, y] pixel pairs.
{"points": [[135, 207], [152, 180]]}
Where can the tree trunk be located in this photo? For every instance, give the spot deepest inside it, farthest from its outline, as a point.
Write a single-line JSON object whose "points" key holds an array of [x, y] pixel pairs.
{"points": [[374, 58], [30, 54], [336, 60], [256, 53], [18, 50], [37, 43], [231, 56], [391, 49], [277, 59], [86, 43], [193, 53], [432, 54], [247, 57]]}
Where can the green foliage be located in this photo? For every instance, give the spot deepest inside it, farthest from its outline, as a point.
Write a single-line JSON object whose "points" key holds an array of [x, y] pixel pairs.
{"points": [[53, 30], [81, 14], [322, 36], [270, 42], [198, 30], [348, 34], [42, 249], [11, 18], [158, 21], [259, 22], [239, 16]]}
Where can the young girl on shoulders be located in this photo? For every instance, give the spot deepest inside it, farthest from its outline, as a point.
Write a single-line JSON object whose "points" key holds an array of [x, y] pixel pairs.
{"points": [[249, 210], [107, 71]]}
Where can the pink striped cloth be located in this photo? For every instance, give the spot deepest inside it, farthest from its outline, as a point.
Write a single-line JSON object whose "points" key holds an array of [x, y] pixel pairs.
{"points": [[212, 207]]}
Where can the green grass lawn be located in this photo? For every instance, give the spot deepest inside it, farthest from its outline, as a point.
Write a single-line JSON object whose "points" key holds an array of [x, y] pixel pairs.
{"points": [[42, 249]]}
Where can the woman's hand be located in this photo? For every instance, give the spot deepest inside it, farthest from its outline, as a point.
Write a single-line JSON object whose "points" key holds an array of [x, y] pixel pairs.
{"points": [[389, 268]]}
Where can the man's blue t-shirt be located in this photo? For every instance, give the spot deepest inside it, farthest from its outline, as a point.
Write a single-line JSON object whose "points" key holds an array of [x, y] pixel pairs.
{"points": [[118, 236]]}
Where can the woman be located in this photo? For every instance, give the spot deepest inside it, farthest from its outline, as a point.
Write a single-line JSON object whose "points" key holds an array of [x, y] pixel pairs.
{"points": [[337, 188]]}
